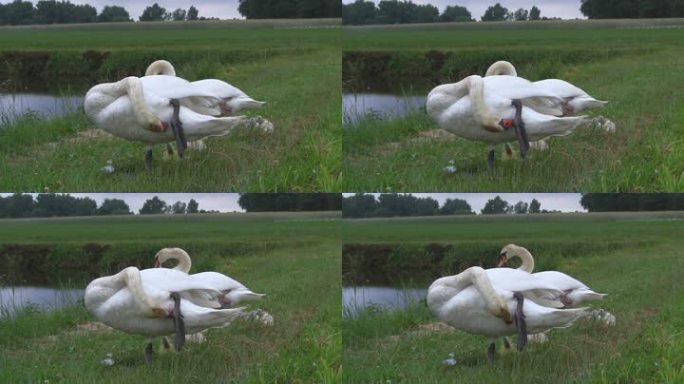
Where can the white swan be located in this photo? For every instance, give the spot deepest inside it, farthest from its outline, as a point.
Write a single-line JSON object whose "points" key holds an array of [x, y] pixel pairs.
{"points": [[148, 303], [230, 100], [485, 109], [232, 291], [575, 101], [574, 291], [481, 301], [142, 109]]}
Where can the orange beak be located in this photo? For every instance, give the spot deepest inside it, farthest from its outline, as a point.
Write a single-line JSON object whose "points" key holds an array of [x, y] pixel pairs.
{"points": [[503, 259]]}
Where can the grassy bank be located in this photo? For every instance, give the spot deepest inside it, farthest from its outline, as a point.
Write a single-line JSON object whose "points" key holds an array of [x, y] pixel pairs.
{"points": [[293, 66], [621, 62], [296, 263], [642, 282]]}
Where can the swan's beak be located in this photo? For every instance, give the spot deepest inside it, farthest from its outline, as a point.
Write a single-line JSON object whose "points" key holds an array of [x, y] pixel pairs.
{"points": [[157, 264], [503, 259]]}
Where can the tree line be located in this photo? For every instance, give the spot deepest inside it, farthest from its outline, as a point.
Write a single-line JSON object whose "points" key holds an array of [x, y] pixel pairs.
{"points": [[391, 204], [400, 12], [21, 12], [267, 202], [617, 202], [21, 205], [632, 9], [289, 9]]}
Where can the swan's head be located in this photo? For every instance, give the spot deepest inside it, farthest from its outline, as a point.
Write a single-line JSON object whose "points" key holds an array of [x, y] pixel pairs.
{"points": [[507, 252], [160, 67], [167, 254], [501, 68]]}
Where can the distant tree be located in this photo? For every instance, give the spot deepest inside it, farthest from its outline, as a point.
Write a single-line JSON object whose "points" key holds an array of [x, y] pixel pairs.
{"points": [[495, 206], [114, 207], [520, 15], [535, 13], [613, 202], [153, 206], [520, 207], [113, 13], [50, 204], [495, 13], [178, 208], [455, 13], [18, 13], [263, 202], [279, 9], [18, 205], [456, 207], [359, 12], [153, 13], [178, 15], [359, 205], [426, 13], [192, 206], [192, 14], [535, 206]]}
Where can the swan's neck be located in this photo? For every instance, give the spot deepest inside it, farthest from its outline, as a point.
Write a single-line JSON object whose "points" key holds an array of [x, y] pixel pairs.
{"points": [[184, 262], [501, 68], [160, 67], [526, 257]]}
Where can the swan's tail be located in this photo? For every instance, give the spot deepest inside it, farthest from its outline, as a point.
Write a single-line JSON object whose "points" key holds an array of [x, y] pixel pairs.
{"points": [[582, 295], [579, 104], [241, 295], [555, 126], [553, 318]]}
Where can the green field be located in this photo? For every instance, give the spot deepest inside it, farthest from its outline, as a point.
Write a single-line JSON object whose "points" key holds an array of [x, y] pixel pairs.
{"points": [[633, 257], [292, 257], [635, 65], [292, 65]]}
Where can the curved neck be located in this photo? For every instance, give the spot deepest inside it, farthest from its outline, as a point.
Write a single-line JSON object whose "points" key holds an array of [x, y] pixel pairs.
{"points": [[184, 262], [160, 67], [526, 257], [501, 68]]}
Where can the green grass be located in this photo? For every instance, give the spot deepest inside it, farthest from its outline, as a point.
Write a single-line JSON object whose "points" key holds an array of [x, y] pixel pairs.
{"points": [[293, 66], [645, 293], [622, 62], [301, 281]]}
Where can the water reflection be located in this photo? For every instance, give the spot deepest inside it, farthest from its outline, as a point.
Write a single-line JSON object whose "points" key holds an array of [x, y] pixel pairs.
{"points": [[13, 298], [359, 297], [13, 105], [383, 105]]}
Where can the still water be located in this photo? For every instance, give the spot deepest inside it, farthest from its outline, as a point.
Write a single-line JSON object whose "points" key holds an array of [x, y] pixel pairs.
{"points": [[382, 105], [359, 297], [13, 298], [13, 105]]}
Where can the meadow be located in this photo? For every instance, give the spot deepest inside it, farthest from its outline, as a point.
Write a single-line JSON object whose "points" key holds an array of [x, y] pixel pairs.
{"points": [[292, 257], [634, 64], [633, 257], [292, 65]]}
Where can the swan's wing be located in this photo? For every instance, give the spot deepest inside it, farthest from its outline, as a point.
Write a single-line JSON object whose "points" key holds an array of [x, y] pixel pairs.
{"points": [[218, 87], [560, 279], [516, 88], [172, 87], [218, 280], [165, 279], [509, 279]]}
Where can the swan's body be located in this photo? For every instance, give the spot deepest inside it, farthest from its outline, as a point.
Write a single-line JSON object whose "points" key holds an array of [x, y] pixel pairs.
{"points": [[576, 100], [230, 99], [147, 303], [574, 291], [232, 292], [484, 109], [480, 302]]}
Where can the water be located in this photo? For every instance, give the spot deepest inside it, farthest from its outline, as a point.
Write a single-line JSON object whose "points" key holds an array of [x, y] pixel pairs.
{"points": [[383, 105], [359, 297], [13, 105], [13, 298]]}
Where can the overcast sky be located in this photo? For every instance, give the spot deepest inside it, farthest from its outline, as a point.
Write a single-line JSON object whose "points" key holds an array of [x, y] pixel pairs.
{"points": [[566, 9], [565, 202], [223, 9], [223, 202]]}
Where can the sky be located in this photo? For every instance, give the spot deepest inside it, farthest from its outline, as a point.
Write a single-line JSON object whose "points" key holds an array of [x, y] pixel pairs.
{"points": [[223, 202], [223, 9], [564, 202], [565, 9]]}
